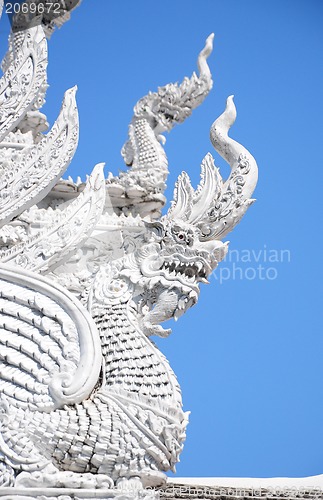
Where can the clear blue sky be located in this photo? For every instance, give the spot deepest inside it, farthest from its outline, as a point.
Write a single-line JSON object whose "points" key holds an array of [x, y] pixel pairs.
{"points": [[249, 355]]}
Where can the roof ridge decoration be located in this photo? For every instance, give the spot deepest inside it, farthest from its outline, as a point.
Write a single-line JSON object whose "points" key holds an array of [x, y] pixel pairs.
{"points": [[89, 271]]}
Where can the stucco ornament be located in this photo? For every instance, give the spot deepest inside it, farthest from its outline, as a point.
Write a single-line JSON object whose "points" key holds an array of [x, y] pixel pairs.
{"points": [[90, 270]]}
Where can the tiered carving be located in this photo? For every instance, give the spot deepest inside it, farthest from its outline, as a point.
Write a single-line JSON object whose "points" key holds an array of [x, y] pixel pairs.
{"points": [[24, 79], [139, 191], [29, 173], [88, 272]]}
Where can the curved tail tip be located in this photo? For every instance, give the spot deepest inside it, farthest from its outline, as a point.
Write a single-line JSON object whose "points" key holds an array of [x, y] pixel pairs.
{"points": [[208, 45], [224, 121], [230, 110]]}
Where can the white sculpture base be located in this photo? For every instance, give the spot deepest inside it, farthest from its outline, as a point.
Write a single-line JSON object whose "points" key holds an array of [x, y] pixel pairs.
{"points": [[75, 494], [188, 488]]}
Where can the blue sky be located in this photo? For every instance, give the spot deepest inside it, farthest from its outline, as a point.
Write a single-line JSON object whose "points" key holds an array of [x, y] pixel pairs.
{"points": [[249, 355]]}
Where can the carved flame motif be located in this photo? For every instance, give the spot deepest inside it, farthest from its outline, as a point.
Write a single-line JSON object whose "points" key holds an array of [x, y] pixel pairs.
{"points": [[89, 271]]}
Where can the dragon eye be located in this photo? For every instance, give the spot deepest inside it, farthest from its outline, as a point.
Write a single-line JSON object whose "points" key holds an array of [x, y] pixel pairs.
{"points": [[181, 236]]}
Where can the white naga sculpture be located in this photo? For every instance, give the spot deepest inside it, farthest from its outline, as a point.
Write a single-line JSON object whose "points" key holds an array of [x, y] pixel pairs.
{"points": [[89, 271]]}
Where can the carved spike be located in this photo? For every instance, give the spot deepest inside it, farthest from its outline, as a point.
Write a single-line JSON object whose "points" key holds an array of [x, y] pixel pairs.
{"points": [[209, 189], [183, 198], [38, 169], [27, 66]]}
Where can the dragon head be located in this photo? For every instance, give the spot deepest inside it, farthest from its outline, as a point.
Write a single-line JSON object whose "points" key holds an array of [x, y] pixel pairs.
{"points": [[167, 268], [166, 260]]}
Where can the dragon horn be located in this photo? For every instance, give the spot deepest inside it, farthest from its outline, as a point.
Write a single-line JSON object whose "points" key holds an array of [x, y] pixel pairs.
{"points": [[216, 207], [231, 200], [232, 151]]}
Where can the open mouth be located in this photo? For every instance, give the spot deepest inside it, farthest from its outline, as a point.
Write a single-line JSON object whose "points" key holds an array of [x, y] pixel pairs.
{"points": [[181, 273], [190, 272], [184, 272]]}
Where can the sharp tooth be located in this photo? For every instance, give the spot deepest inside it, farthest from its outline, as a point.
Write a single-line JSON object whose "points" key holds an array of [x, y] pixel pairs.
{"points": [[178, 314], [199, 266], [204, 280], [181, 303]]}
